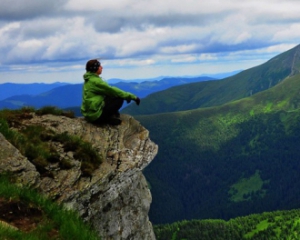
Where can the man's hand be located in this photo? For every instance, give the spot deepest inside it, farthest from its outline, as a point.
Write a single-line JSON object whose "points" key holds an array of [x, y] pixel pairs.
{"points": [[137, 101]]}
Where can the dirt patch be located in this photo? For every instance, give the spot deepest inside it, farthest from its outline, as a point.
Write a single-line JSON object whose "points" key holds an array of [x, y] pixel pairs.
{"points": [[20, 215]]}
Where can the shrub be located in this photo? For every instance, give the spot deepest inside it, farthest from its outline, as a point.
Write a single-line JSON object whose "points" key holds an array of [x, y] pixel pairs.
{"points": [[54, 111]]}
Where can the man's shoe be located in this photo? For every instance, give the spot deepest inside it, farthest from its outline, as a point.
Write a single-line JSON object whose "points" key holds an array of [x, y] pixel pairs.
{"points": [[117, 115], [111, 120], [114, 121]]}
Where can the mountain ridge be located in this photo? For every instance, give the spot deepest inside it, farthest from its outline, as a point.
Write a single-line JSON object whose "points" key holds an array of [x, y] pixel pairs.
{"points": [[10, 89], [71, 95], [214, 93]]}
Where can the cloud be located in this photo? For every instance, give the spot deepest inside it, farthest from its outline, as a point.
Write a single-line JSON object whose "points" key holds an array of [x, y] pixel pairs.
{"points": [[12, 10], [65, 33]]}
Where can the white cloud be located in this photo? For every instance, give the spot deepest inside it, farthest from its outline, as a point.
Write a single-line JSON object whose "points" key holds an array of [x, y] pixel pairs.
{"points": [[290, 32], [208, 57], [60, 35], [182, 48]]}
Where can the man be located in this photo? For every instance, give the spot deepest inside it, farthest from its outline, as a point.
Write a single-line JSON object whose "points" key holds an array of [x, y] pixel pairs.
{"points": [[100, 101]]}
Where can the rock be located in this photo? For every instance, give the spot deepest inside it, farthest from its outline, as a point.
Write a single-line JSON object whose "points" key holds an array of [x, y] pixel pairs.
{"points": [[11, 160], [115, 199]]}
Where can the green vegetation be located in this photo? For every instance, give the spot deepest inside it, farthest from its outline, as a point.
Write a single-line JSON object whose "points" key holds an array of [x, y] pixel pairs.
{"points": [[15, 116], [36, 217], [245, 187], [33, 142], [55, 111], [268, 225]]}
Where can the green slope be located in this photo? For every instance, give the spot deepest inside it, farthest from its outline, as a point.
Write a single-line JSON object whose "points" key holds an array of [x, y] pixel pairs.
{"points": [[226, 161], [269, 225], [214, 93]]}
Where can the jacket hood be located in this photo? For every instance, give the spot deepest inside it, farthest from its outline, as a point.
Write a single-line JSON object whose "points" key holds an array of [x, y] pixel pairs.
{"points": [[87, 75]]}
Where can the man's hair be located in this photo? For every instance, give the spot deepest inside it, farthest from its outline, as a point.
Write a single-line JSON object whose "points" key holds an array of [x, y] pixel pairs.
{"points": [[92, 65]]}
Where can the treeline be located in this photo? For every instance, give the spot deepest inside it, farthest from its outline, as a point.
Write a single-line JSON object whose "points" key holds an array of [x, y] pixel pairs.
{"points": [[268, 226]]}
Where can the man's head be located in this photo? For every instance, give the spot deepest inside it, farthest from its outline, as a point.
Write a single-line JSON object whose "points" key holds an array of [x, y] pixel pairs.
{"points": [[93, 66]]}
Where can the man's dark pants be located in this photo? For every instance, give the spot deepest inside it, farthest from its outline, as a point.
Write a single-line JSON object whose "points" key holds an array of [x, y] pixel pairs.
{"points": [[111, 108]]}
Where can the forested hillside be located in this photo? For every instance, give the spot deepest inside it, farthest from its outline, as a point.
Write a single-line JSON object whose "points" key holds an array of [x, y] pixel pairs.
{"points": [[269, 225], [215, 93], [227, 161]]}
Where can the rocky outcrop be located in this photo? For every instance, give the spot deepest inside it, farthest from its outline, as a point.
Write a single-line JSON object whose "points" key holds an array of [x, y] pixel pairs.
{"points": [[115, 199]]}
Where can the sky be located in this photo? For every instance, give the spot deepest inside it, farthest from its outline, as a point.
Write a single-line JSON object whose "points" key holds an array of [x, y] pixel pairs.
{"points": [[51, 41]]}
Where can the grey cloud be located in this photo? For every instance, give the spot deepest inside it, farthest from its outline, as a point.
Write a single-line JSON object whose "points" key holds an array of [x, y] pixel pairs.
{"points": [[210, 44], [32, 30], [251, 44], [184, 19], [28, 9], [106, 22], [41, 29], [273, 19], [111, 25]]}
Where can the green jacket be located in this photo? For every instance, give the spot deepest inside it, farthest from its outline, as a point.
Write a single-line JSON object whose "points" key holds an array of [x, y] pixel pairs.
{"points": [[94, 92]]}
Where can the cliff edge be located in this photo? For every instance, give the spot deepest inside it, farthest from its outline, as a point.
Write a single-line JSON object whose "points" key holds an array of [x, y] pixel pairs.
{"points": [[115, 197]]}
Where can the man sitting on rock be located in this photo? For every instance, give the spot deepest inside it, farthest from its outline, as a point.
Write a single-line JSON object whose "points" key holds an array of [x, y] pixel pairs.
{"points": [[100, 101]]}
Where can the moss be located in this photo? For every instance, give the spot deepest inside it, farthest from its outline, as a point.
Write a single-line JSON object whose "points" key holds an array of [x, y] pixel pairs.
{"points": [[65, 164], [40, 163]]}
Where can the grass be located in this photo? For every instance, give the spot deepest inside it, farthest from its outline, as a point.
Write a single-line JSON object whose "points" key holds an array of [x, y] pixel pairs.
{"points": [[261, 226], [47, 220], [267, 225], [36, 142], [246, 187]]}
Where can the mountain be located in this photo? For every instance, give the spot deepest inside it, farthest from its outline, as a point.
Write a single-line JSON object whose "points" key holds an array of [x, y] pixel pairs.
{"points": [[222, 75], [71, 95], [10, 89], [143, 89], [226, 161], [117, 80], [62, 97], [214, 76], [215, 93]]}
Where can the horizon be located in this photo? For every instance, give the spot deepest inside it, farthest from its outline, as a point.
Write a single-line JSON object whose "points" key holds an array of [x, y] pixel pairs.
{"points": [[157, 78], [52, 41]]}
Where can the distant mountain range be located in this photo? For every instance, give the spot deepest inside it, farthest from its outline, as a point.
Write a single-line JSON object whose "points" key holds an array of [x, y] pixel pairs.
{"points": [[64, 95], [214, 76], [15, 95], [11, 89]]}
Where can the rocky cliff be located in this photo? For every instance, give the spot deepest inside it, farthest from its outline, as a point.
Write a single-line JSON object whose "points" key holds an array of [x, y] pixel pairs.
{"points": [[115, 198]]}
